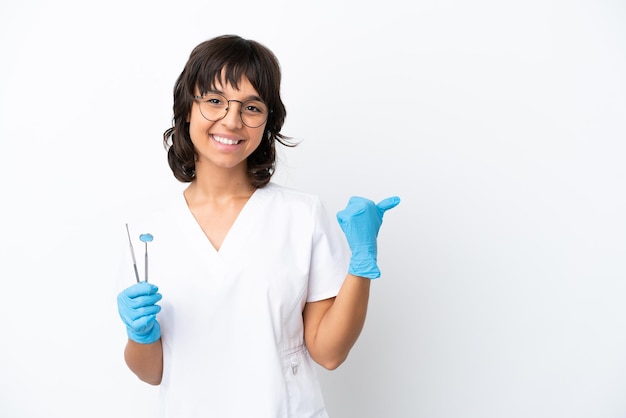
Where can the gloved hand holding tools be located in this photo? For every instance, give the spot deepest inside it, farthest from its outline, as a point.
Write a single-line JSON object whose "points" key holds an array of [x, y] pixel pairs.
{"points": [[138, 309]]}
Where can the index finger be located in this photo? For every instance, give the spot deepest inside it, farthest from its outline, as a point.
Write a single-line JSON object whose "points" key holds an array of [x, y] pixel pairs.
{"points": [[141, 289]]}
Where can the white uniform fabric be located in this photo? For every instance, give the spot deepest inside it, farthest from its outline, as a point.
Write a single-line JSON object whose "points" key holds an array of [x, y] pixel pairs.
{"points": [[231, 319]]}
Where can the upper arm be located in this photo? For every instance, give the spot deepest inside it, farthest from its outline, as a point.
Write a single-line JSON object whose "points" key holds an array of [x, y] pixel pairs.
{"points": [[312, 315]]}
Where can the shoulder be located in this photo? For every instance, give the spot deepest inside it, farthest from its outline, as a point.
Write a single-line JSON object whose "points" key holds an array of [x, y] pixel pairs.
{"points": [[295, 205], [279, 193]]}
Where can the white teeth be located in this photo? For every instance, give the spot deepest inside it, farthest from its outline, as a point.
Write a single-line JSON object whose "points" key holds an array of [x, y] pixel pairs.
{"points": [[226, 141]]}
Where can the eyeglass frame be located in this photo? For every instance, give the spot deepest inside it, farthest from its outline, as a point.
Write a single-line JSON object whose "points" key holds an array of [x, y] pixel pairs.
{"points": [[199, 99]]}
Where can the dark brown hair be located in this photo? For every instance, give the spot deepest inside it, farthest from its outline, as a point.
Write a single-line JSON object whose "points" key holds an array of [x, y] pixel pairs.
{"points": [[226, 59]]}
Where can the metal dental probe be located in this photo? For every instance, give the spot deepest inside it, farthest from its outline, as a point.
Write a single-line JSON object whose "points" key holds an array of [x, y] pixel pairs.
{"points": [[132, 253]]}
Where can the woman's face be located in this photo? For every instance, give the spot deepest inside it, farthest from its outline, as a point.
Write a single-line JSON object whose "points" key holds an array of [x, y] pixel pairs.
{"points": [[225, 143]]}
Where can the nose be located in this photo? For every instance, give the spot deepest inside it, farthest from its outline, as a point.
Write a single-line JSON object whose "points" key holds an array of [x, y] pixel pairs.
{"points": [[233, 115]]}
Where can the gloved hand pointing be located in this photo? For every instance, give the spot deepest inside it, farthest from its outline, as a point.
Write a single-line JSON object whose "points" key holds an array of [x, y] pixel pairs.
{"points": [[360, 222], [138, 309]]}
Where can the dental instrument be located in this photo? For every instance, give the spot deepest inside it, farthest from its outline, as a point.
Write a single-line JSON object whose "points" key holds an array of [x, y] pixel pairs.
{"points": [[146, 238], [132, 253]]}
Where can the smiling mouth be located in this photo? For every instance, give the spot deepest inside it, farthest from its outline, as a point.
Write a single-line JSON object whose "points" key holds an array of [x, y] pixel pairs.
{"points": [[226, 141]]}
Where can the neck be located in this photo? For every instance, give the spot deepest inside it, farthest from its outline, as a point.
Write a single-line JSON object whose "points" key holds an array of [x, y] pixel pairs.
{"points": [[219, 186]]}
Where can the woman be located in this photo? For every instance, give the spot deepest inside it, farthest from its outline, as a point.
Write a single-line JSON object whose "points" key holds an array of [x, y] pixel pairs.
{"points": [[257, 280]]}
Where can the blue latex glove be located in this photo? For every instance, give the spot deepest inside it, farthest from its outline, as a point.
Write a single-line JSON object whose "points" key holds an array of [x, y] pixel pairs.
{"points": [[361, 221], [138, 309]]}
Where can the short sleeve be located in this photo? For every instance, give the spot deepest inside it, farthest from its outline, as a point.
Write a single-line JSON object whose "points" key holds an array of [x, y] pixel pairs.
{"points": [[330, 256]]}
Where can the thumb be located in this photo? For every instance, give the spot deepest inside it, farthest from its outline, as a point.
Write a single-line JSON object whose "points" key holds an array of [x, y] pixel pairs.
{"points": [[389, 203]]}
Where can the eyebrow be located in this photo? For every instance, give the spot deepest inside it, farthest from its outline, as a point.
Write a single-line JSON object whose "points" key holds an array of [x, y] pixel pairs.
{"points": [[246, 99]]}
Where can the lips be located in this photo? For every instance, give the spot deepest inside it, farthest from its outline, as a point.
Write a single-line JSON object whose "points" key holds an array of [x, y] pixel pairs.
{"points": [[226, 141]]}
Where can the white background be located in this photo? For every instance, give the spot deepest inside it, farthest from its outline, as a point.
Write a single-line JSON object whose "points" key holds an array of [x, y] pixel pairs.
{"points": [[501, 125]]}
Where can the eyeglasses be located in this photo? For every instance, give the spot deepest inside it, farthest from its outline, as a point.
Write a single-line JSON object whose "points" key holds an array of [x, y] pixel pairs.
{"points": [[214, 107]]}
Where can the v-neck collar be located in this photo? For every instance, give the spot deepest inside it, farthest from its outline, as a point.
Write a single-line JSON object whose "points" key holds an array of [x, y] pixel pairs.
{"points": [[235, 237]]}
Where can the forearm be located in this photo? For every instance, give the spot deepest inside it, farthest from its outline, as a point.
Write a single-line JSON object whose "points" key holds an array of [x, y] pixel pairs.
{"points": [[341, 325], [145, 360]]}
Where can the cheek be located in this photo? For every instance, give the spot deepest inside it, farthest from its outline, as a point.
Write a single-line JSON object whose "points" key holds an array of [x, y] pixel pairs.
{"points": [[255, 139], [198, 125]]}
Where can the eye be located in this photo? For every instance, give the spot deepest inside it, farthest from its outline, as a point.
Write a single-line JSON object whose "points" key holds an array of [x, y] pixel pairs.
{"points": [[214, 100], [254, 107]]}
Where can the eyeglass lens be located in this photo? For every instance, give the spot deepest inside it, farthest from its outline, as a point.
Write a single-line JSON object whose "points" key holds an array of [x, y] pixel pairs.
{"points": [[214, 107]]}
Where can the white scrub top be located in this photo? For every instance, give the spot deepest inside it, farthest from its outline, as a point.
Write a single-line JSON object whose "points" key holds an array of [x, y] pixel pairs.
{"points": [[231, 320]]}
